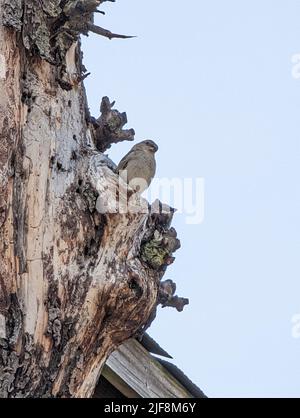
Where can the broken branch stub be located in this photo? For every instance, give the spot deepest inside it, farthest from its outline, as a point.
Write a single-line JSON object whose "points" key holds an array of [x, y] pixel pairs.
{"points": [[108, 128], [50, 28], [106, 33]]}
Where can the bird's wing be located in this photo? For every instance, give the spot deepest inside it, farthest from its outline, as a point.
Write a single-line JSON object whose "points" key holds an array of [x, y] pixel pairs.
{"points": [[125, 160]]}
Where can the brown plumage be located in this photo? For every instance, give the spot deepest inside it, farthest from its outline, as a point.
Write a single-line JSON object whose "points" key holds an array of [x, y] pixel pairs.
{"points": [[138, 167]]}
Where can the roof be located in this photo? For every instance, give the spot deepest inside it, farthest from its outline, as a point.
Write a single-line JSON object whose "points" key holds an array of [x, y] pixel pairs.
{"points": [[153, 347], [183, 379], [134, 370]]}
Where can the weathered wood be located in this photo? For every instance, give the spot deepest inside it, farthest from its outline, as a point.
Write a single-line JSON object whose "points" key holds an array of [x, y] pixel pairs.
{"points": [[73, 285], [108, 128], [119, 383], [142, 373]]}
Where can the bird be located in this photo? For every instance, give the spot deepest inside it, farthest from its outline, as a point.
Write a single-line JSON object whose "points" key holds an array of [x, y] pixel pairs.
{"points": [[138, 167]]}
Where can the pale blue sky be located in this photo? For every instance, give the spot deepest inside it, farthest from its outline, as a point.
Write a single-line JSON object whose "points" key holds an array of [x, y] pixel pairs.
{"points": [[210, 82]]}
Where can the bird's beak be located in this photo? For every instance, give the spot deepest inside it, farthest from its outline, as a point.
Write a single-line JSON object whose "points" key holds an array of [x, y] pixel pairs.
{"points": [[155, 148]]}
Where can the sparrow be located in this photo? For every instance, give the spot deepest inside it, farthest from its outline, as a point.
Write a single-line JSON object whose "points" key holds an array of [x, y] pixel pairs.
{"points": [[138, 167]]}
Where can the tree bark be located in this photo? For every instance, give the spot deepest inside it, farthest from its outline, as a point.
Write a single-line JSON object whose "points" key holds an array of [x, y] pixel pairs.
{"points": [[76, 275]]}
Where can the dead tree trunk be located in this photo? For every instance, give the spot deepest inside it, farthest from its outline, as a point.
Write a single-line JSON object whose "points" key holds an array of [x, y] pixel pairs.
{"points": [[78, 276]]}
